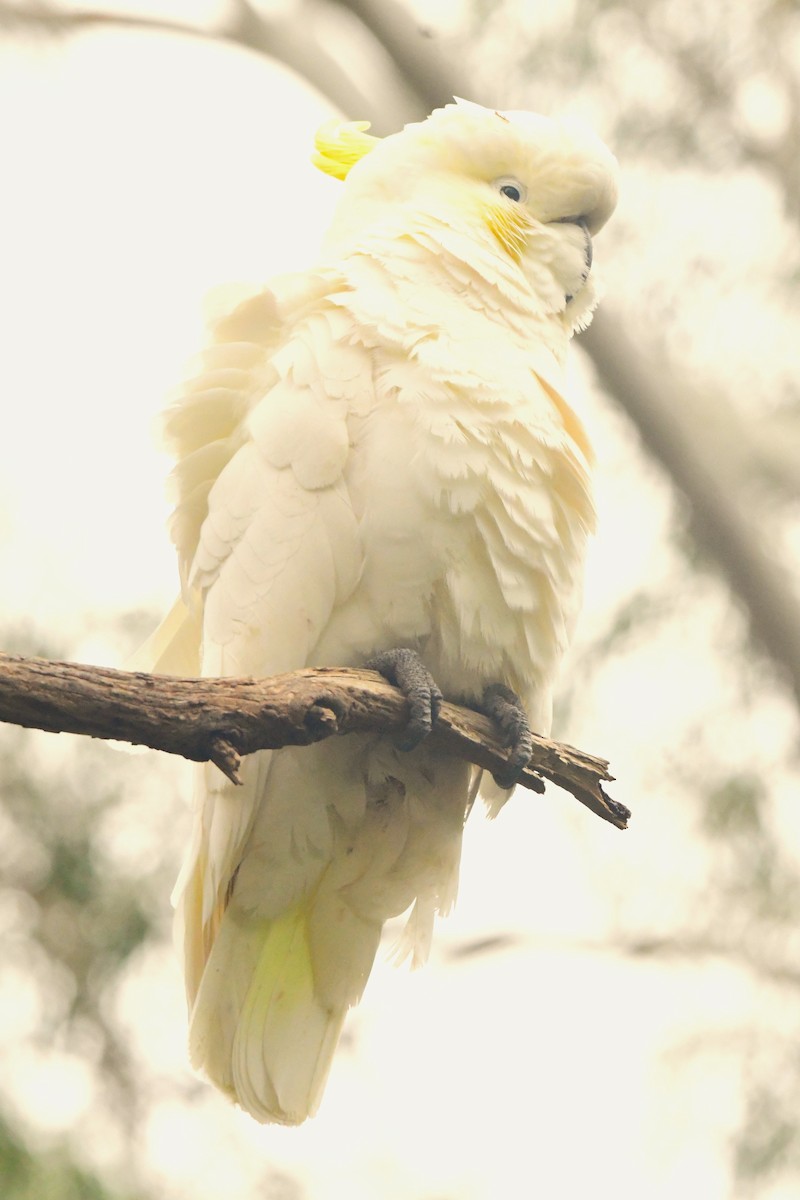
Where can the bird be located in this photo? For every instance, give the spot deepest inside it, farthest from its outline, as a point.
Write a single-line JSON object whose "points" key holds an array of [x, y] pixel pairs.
{"points": [[376, 463]]}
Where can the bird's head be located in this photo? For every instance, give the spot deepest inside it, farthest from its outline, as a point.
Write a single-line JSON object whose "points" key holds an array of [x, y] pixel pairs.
{"points": [[533, 189]]}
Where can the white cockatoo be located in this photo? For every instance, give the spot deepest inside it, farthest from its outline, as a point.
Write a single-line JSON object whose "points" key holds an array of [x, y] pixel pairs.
{"points": [[376, 464]]}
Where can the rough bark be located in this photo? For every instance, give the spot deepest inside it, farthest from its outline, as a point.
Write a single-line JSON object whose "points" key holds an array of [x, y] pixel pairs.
{"points": [[220, 720]]}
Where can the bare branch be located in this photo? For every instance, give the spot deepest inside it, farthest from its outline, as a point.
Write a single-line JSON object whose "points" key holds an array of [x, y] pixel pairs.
{"points": [[433, 77], [746, 953], [220, 720], [282, 37]]}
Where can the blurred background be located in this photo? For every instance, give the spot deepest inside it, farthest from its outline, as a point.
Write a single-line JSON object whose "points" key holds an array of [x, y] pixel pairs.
{"points": [[607, 1013]]}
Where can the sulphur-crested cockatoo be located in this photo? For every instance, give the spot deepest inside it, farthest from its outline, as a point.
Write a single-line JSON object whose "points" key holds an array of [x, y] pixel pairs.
{"points": [[377, 454]]}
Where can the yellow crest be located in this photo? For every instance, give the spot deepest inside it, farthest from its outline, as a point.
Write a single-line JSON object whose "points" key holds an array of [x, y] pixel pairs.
{"points": [[340, 145]]}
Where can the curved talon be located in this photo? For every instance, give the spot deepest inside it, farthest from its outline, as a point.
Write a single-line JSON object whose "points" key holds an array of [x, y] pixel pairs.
{"points": [[506, 710], [406, 670]]}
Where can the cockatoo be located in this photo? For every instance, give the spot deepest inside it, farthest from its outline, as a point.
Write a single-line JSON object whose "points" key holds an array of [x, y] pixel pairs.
{"points": [[376, 463]]}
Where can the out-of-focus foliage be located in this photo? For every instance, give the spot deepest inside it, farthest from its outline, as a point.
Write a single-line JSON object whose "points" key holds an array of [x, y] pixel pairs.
{"points": [[28, 1176], [77, 906], [89, 845]]}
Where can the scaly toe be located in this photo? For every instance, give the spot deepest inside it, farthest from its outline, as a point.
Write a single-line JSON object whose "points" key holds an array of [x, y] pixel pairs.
{"points": [[506, 710], [405, 669]]}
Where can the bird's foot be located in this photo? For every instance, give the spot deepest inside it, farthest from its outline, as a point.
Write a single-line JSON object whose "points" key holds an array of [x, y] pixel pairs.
{"points": [[506, 710], [406, 670]]}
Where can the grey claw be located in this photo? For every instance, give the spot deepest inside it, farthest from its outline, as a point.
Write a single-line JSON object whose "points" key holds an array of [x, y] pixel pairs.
{"points": [[406, 670], [506, 710]]}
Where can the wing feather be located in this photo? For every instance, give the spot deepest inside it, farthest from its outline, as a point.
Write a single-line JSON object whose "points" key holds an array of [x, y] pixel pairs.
{"points": [[267, 536]]}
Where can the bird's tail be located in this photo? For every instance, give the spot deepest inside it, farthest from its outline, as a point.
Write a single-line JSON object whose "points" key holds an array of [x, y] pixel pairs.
{"points": [[269, 1010], [277, 950]]}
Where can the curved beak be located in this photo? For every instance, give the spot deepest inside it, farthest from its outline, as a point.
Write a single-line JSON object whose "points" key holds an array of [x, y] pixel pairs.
{"points": [[584, 225]]}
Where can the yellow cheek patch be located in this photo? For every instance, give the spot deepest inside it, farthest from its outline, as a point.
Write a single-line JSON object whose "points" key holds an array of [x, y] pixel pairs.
{"points": [[340, 145], [511, 225]]}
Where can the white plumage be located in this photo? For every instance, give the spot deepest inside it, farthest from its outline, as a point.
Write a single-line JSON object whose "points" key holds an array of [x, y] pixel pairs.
{"points": [[373, 454]]}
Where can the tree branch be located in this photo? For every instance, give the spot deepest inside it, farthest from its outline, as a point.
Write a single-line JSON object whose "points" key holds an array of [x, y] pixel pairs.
{"points": [[296, 44], [220, 720]]}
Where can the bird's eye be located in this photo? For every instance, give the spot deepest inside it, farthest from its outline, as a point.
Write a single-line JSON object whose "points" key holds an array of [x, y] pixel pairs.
{"points": [[512, 188]]}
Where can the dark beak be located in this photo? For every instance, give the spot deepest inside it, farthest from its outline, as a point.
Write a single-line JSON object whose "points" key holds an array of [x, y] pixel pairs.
{"points": [[588, 252]]}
